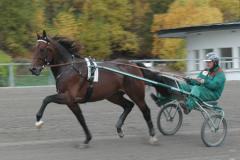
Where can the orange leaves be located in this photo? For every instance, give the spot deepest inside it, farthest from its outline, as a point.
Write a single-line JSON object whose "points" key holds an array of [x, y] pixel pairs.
{"points": [[229, 8], [187, 13]]}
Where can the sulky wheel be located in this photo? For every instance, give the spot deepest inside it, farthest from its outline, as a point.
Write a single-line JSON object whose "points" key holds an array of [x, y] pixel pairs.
{"points": [[214, 131], [169, 119]]}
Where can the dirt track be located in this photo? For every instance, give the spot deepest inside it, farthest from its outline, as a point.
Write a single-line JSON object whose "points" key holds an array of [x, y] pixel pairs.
{"points": [[61, 137]]}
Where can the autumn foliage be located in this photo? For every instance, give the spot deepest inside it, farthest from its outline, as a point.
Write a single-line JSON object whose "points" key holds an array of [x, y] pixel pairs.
{"points": [[182, 13], [108, 27]]}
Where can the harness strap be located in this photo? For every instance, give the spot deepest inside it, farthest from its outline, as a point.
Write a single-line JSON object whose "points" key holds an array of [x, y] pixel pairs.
{"points": [[88, 93], [90, 82]]}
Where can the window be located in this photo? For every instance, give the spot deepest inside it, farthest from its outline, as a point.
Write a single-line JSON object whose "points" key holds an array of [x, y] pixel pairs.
{"points": [[196, 61], [226, 58]]}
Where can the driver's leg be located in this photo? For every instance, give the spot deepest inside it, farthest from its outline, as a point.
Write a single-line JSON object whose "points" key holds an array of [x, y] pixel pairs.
{"points": [[201, 92], [190, 103]]}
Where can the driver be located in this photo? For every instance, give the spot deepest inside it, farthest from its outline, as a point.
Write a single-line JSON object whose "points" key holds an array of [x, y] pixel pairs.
{"points": [[208, 85]]}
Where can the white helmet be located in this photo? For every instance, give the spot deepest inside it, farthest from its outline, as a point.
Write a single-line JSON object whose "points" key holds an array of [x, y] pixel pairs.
{"points": [[213, 57]]}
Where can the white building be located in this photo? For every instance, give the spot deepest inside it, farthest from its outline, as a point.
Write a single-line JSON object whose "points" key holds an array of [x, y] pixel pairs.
{"points": [[222, 38]]}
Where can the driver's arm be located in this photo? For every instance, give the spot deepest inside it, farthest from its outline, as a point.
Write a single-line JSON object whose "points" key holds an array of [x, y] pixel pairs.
{"points": [[216, 82], [194, 81]]}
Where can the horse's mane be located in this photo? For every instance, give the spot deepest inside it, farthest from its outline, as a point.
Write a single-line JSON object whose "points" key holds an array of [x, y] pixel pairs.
{"points": [[70, 45]]}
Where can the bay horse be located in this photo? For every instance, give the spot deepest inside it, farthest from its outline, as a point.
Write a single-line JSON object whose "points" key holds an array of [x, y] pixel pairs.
{"points": [[72, 84]]}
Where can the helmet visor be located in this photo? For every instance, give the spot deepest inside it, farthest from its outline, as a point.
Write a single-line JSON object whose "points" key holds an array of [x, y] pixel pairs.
{"points": [[207, 60]]}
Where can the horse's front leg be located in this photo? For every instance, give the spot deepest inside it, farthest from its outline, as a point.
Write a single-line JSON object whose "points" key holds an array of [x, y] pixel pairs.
{"points": [[78, 113], [56, 98], [63, 99]]}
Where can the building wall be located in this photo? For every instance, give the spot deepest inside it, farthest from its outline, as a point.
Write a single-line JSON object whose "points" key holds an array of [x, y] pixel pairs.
{"points": [[198, 43]]}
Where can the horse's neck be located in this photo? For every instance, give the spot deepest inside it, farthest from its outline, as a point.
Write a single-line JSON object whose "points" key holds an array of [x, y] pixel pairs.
{"points": [[63, 64], [61, 61], [57, 71], [62, 58]]}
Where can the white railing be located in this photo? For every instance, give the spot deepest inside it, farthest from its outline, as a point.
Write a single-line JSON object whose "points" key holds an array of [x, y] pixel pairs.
{"points": [[18, 74], [226, 63]]}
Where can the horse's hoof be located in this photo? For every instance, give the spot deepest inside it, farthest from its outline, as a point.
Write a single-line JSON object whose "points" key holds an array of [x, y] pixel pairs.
{"points": [[86, 142], [153, 140], [121, 135], [120, 132], [39, 124], [83, 146], [88, 139]]}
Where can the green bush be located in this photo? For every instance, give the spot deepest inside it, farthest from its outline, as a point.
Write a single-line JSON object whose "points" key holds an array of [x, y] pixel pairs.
{"points": [[4, 58]]}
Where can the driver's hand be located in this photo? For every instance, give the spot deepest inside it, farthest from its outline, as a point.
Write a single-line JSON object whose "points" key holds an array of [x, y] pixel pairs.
{"points": [[187, 79], [199, 80]]}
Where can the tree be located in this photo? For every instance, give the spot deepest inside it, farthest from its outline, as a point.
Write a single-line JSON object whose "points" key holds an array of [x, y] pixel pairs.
{"points": [[160, 6], [53, 7], [16, 25], [141, 24], [180, 14], [94, 36], [104, 28], [65, 24], [230, 9], [143, 11]]}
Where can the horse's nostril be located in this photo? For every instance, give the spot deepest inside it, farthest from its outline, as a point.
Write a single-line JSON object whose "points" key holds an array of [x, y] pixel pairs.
{"points": [[35, 71], [32, 69]]}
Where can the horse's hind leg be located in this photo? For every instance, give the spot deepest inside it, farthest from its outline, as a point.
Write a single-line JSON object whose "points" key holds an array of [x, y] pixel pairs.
{"points": [[127, 107], [78, 113], [138, 98], [147, 116]]}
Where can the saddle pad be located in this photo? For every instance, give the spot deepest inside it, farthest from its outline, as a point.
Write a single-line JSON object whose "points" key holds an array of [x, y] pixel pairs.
{"points": [[89, 67]]}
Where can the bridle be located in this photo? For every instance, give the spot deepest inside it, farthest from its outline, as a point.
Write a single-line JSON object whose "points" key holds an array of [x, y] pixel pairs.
{"points": [[46, 62]]}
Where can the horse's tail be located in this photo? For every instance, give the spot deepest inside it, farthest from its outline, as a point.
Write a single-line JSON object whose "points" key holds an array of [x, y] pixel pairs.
{"points": [[155, 76], [148, 74]]}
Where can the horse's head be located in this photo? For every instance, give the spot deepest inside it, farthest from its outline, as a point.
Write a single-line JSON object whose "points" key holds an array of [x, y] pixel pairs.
{"points": [[42, 55]]}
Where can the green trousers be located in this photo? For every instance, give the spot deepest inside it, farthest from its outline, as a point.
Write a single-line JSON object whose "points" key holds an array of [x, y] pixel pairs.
{"points": [[199, 91]]}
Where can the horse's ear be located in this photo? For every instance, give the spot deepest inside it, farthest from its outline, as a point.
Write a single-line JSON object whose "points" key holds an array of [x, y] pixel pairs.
{"points": [[38, 36], [44, 34]]}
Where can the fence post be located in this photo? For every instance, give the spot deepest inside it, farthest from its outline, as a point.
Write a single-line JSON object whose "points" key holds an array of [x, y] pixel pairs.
{"points": [[11, 81], [50, 77]]}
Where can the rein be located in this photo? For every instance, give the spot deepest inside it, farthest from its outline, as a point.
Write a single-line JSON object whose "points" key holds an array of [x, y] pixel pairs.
{"points": [[118, 63], [148, 69]]}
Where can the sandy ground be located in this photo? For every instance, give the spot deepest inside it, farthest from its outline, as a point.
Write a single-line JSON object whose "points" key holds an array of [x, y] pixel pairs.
{"points": [[61, 137]]}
